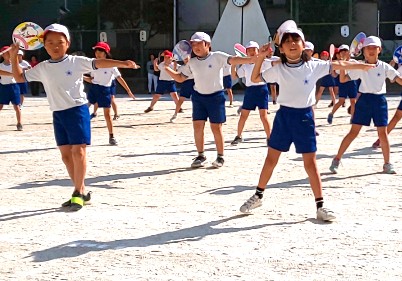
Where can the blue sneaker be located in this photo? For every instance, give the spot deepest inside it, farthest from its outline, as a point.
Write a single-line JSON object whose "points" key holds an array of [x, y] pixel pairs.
{"points": [[329, 118], [334, 166], [93, 115]]}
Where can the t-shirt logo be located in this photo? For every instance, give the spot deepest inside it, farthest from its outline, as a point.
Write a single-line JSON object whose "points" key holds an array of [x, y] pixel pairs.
{"points": [[69, 73], [378, 74], [210, 66], [305, 81]]}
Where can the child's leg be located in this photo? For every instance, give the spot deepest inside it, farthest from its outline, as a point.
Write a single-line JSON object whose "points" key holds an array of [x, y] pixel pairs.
{"points": [[332, 94], [272, 88], [347, 140], [230, 95], [95, 109], [337, 105], [397, 117], [17, 112], [179, 104], [265, 122], [155, 99], [218, 136], [198, 127], [242, 121], [74, 157], [22, 99], [269, 165], [114, 106], [108, 119], [383, 136], [310, 165], [175, 97], [352, 106], [319, 94]]}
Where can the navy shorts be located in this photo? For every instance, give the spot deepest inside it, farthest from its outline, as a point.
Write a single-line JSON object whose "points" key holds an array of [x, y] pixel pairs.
{"points": [[23, 88], [294, 125], [113, 87], [10, 93], [348, 89], [227, 82], [165, 87], [209, 106], [72, 126], [328, 81], [187, 88], [371, 106], [256, 96], [101, 95]]}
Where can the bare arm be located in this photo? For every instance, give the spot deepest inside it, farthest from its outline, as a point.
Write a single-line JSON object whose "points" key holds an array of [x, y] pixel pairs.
{"points": [[233, 71], [5, 73], [241, 60], [398, 80], [177, 76], [108, 63], [343, 77], [87, 79], [256, 74], [123, 83], [156, 65], [16, 68], [339, 65]]}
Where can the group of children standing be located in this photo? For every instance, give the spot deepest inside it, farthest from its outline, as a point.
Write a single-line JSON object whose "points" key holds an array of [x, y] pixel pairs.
{"points": [[202, 77]]}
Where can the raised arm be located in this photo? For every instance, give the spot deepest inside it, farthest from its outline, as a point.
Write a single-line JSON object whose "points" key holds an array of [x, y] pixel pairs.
{"points": [[123, 83], [256, 74], [108, 63], [16, 68], [177, 76], [349, 65]]}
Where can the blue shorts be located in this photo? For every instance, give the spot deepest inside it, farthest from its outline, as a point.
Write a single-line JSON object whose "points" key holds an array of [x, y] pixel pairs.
{"points": [[72, 126], [227, 82], [209, 106], [165, 87], [256, 96], [101, 95], [328, 81], [10, 93], [348, 89], [294, 125], [113, 87], [23, 88], [187, 88], [370, 106]]}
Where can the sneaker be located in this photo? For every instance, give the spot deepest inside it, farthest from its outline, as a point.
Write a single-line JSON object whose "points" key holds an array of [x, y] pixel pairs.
{"points": [[218, 162], [377, 144], [112, 141], [87, 200], [93, 115], [274, 102], [344, 104], [174, 117], [231, 105], [317, 133], [388, 168], [19, 127], [331, 104], [350, 110], [236, 140], [325, 214], [252, 203], [116, 117], [181, 110], [199, 161], [329, 118], [239, 110], [334, 166], [148, 110]]}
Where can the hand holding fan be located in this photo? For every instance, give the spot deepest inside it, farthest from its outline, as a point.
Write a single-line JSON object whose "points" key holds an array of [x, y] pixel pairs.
{"points": [[356, 45], [182, 50], [397, 56]]}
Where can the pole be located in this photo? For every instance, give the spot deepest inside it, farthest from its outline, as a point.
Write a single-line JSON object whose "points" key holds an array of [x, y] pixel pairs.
{"points": [[174, 22], [98, 19]]}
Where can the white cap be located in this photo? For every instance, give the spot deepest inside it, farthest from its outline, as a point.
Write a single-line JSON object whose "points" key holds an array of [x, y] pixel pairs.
{"points": [[288, 26], [20, 52], [343, 47], [200, 36], [372, 41], [55, 27], [308, 46], [252, 44]]}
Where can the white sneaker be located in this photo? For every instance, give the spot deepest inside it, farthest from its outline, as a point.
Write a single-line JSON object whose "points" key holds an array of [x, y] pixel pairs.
{"points": [[325, 214], [218, 163], [252, 203], [174, 117]]}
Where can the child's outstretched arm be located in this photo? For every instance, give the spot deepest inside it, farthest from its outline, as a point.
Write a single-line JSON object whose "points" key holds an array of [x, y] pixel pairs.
{"points": [[5, 73], [349, 65], [108, 63], [123, 83], [177, 76]]}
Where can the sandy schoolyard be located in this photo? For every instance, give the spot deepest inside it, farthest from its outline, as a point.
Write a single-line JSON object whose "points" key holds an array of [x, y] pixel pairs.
{"points": [[154, 218]]}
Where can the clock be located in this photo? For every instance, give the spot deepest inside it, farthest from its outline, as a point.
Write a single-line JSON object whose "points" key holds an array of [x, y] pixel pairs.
{"points": [[240, 3]]}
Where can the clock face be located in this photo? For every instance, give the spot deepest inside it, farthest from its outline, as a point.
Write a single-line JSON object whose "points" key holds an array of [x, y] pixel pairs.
{"points": [[240, 3]]}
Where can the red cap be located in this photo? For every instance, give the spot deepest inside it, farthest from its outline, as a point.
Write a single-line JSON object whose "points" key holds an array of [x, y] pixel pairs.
{"points": [[4, 48], [168, 53], [324, 53], [102, 45]]}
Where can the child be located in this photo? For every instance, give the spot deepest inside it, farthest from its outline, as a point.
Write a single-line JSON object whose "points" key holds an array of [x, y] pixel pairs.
{"points": [[326, 82], [256, 94], [294, 122], [371, 103], [207, 98], [23, 86], [102, 88], [397, 116], [347, 89], [227, 84], [62, 79], [165, 83], [10, 91]]}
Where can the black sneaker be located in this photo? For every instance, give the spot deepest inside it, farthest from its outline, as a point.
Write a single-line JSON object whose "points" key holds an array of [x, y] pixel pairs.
{"points": [[112, 141], [87, 199], [148, 110], [331, 104], [19, 127], [218, 162], [181, 110], [93, 115], [274, 102], [199, 161], [236, 140]]}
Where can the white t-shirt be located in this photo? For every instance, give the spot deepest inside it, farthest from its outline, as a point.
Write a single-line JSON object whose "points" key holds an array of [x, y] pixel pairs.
{"points": [[297, 81], [246, 70], [164, 75], [187, 73], [226, 70], [105, 76], [62, 80], [373, 80], [207, 72], [5, 80]]}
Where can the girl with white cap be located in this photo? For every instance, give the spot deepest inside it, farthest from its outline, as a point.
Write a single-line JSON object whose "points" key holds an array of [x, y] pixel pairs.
{"points": [[294, 122], [372, 104]]}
